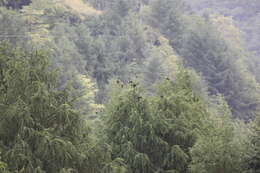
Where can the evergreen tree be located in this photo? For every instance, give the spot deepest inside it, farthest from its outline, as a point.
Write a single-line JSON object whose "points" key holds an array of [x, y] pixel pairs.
{"points": [[253, 162], [112, 46], [179, 112], [129, 129], [213, 57], [3, 167], [10, 20], [204, 49], [46, 134], [222, 144], [154, 135], [168, 16]]}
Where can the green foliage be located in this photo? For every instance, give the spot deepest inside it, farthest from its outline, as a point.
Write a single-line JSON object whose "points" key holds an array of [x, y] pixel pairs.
{"points": [[52, 26], [219, 148], [9, 31], [253, 160], [116, 166], [153, 134], [47, 134], [129, 130], [3, 167], [246, 18], [226, 74], [204, 49], [117, 46], [168, 16], [179, 113], [100, 4], [173, 128], [120, 5]]}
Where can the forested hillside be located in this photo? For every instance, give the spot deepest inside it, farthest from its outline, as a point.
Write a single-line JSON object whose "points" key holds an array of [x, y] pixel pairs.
{"points": [[245, 15], [129, 86]]}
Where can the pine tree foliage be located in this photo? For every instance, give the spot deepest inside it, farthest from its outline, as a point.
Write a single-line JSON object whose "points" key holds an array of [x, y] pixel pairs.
{"points": [[162, 61], [222, 69], [3, 167], [129, 130], [46, 134], [179, 113], [252, 162], [219, 148], [117, 45], [105, 5], [169, 17], [52, 25], [154, 134], [116, 166], [130, 47], [9, 31], [203, 48]]}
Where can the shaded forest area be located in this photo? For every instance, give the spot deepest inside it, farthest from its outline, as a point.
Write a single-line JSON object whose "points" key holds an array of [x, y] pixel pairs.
{"points": [[129, 86]]}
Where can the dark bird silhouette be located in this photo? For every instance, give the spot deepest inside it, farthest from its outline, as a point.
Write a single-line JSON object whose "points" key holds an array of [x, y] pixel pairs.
{"points": [[157, 43], [167, 78], [139, 98], [162, 96]]}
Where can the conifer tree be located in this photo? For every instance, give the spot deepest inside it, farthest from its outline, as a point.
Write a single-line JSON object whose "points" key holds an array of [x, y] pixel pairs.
{"points": [[179, 112], [129, 129], [222, 144], [10, 20], [169, 17], [3, 167], [204, 49], [39, 129], [253, 162], [154, 134], [225, 71]]}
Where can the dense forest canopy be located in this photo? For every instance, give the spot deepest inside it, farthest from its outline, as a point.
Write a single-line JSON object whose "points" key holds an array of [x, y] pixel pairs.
{"points": [[129, 86]]}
